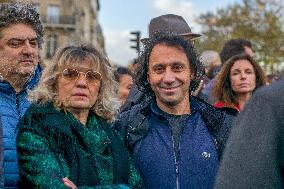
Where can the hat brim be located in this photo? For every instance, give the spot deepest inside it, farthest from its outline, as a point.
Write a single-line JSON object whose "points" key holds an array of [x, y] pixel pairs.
{"points": [[187, 36]]}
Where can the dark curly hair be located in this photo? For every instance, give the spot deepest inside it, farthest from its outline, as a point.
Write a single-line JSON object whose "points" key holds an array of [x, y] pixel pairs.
{"points": [[15, 13], [120, 71], [172, 40], [234, 47]]}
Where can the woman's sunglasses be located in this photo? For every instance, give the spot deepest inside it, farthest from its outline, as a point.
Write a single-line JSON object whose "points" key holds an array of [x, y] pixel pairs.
{"points": [[73, 74]]}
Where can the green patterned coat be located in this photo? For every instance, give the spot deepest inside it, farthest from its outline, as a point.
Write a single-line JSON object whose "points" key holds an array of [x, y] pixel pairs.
{"points": [[52, 145]]}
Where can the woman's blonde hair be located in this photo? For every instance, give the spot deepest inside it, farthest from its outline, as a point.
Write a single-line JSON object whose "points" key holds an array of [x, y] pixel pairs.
{"points": [[107, 104]]}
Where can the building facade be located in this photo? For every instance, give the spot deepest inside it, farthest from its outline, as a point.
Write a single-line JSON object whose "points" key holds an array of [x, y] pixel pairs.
{"points": [[68, 22]]}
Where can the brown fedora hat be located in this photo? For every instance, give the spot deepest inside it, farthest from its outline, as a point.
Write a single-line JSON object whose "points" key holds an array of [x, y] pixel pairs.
{"points": [[170, 23]]}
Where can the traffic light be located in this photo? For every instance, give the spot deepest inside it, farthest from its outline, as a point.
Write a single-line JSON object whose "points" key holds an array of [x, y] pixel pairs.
{"points": [[136, 46]]}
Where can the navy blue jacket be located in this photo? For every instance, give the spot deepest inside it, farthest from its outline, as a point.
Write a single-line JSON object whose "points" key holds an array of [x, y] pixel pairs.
{"points": [[135, 126], [13, 107]]}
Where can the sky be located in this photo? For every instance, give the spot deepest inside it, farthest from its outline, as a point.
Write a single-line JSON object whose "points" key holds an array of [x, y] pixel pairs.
{"points": [[119, 17]]}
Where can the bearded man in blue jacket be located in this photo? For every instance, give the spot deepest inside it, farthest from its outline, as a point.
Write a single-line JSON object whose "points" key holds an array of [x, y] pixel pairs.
{"points": [[21, 34], [176, 139]]}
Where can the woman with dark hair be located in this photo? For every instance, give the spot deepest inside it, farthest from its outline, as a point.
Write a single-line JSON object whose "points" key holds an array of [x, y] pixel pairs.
{"points": [[239, 77], [65, 138]]}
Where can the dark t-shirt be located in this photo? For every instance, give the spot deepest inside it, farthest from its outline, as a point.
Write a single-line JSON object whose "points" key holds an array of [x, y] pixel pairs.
{"points": [[177, 124]]}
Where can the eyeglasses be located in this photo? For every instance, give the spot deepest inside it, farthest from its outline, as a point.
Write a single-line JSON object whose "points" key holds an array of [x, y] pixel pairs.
{"points": [[73, 74]]}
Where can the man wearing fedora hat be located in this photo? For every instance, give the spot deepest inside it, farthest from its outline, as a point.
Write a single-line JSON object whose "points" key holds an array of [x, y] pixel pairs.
{"points": [[168, 23], [176, 139]]}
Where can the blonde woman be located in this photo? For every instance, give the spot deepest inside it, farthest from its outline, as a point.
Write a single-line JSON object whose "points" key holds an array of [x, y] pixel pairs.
{"points": [[64, 138]]}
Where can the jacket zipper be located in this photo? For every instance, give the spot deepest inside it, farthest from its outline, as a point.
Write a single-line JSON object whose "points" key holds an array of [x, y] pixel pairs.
{"points": [[18, 104], [215, 142], [176, 162]]}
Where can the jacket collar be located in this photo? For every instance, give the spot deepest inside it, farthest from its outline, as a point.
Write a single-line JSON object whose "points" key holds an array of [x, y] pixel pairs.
{"points": [[213, 118], [194, 107], [6, 87], [35, 79]]}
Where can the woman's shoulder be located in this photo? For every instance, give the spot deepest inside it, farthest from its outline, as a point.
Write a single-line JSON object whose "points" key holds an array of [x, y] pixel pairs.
{"points": [[219, 104], [229, 108], [47, 107], [37, 110], [41, 116]]}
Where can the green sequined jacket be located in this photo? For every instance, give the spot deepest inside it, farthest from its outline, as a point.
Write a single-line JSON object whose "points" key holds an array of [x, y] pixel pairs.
{"points": [[52, 144]]}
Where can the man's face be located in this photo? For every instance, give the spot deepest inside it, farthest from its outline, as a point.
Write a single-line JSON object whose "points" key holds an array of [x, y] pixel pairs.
{"points": [[169, 76], [125, 84], [18, 51], [248, 51]]}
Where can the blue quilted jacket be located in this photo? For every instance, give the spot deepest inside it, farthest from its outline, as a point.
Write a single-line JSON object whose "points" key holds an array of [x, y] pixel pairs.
{"points": [[13, 107]]}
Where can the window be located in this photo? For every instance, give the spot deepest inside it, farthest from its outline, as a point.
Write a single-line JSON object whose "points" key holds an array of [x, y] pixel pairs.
{"points": [[53, 14], [51, 45]]}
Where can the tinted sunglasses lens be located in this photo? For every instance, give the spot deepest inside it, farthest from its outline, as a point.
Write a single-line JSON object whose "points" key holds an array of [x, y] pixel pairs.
{"points": [[70, 74], [93, 76]]}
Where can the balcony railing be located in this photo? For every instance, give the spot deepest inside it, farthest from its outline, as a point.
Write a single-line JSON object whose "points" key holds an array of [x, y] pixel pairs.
{"points": [[61, 20]]}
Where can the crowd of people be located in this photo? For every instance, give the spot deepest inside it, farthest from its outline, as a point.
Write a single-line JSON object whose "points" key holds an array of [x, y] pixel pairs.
{"points": [[184, 120]]}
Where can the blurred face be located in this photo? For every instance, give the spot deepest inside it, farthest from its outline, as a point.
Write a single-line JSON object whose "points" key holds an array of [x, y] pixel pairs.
{"points": [[242, 76], [125, 84], [248, 51], [78, 86], [169, 76], [18, 51]]}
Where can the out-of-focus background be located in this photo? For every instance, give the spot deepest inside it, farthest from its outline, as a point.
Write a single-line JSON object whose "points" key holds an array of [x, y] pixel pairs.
{"points": [[119, 18], [109, 23]]}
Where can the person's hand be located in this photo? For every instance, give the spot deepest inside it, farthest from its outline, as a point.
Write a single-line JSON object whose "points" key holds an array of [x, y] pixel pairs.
{"points": [[69, 183]]}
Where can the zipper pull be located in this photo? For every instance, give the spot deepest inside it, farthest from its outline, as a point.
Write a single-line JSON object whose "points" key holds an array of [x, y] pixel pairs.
{"points": [[177, 168], [215, 141]]}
